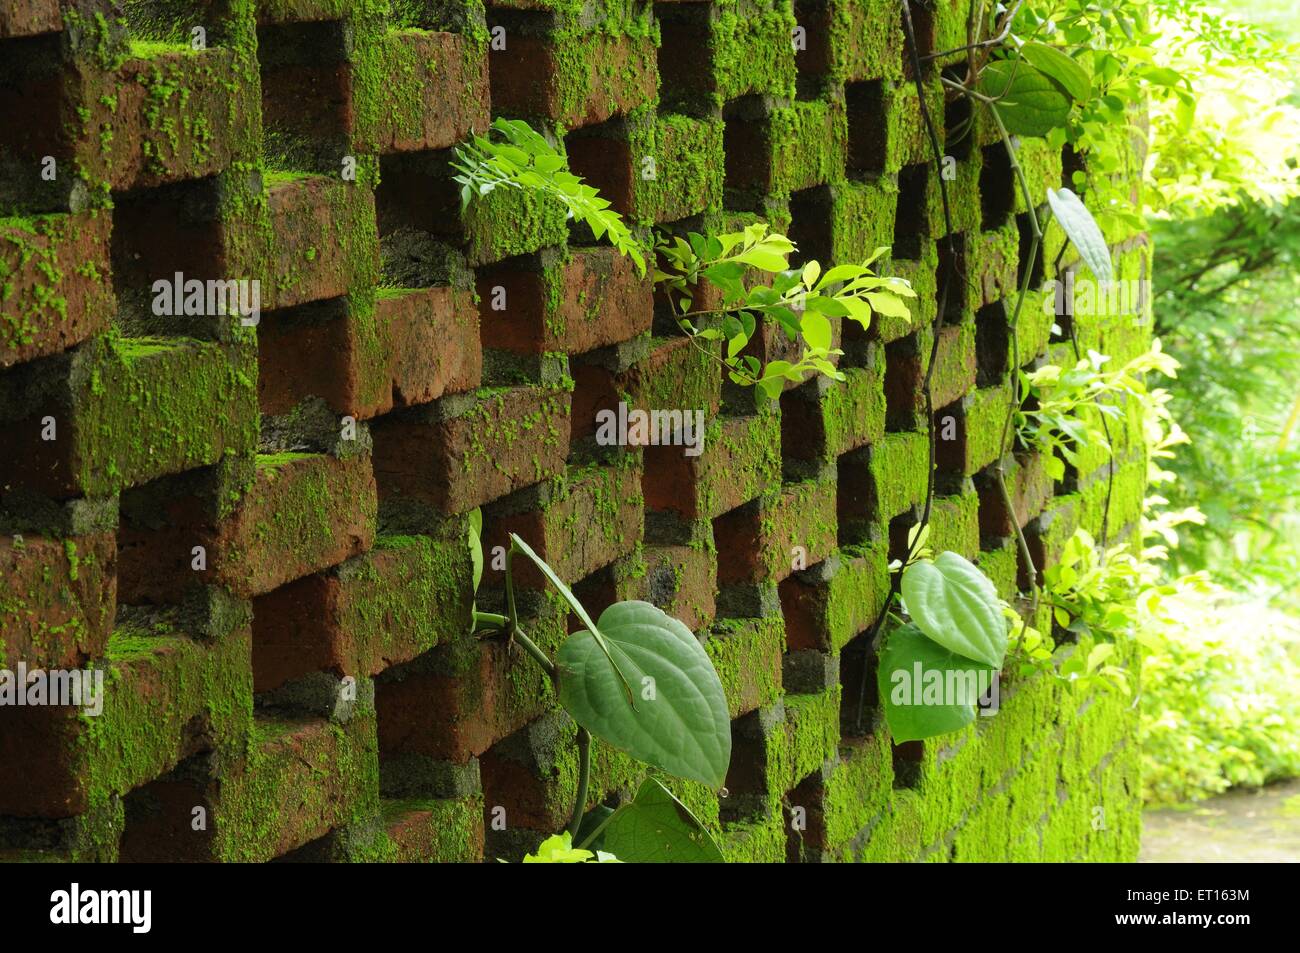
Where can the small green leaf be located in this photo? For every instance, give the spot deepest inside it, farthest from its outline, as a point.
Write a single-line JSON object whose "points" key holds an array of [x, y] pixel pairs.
{"points": [[956, 605], [925, 689], [476, 545], [657, 828], [817, 331], [680, 722], [1082, 229]]}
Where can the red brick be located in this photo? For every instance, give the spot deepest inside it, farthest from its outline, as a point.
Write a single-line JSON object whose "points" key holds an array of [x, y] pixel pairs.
{"points": [[594, 299], [56, 291], [488, 445], [57, 599]]}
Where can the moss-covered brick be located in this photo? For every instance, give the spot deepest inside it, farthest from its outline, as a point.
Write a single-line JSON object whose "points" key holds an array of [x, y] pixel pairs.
{"points": [[682, 580], [533, 775], [837, 600], [788, 148], [826, 419], [416, 89], [750, 49], [171, 113], [788, 528], [850, 40], [746, 653], [898, 464], [1029, 486], [305, 512], [324, 239], [955, 523], [164, 697], [673, 374], [741, 458], [1042, 167], [508, 222], [1000, 565], [363, 357], [862, 217], [434, 830], [578, 522], [328, 767], [857, 792], [992, 260], [115, 416], [810, 737], [969, 431], [457, 701], [712, 55], [559, 70], [886, 130], [462, 451], [382, 608], [586, 299], [56, 599], [54, 291], [687, 171], [30, 17]]}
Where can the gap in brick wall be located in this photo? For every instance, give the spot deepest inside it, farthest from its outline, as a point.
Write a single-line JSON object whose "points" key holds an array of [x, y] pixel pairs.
{"points": [[958, 118], [1026, 239], [923, 27], [868, 124], [601, 154], [810, 226], [997, 187], [417, 212], [908, 758], [813, 61], [912, 220], [35, 101], [856, 654], [159, 233], [952, 268], [306, 95], [854, 499], [160, 815], [517, 73], [746, 156], [684, 57], [992, 344], [904, 375]]}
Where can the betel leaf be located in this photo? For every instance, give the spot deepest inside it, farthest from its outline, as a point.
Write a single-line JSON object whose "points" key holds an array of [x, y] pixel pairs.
{"points": [[656, 828], [1029, 102], [1082, 229], [679, 722], [1060, 66], [927, 690], [956, 605]]}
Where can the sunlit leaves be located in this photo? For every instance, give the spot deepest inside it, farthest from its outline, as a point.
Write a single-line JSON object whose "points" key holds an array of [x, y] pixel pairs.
{"points": [[519, 157], [805, 303]]}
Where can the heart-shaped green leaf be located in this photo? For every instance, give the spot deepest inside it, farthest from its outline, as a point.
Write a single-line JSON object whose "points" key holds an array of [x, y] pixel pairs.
{"points": [[1060, 66], [656, 828], [678, 721], [956, 605], [927, 690], [1029, 102], [1082, 230]]}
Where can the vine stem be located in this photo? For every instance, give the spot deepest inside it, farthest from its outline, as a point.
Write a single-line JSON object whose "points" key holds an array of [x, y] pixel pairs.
{"points": [[584, 780], [941, 309], [999, 471]]}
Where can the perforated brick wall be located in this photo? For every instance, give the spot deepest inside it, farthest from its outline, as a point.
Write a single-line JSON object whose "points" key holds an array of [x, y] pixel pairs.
{"points": [[257, 531]]}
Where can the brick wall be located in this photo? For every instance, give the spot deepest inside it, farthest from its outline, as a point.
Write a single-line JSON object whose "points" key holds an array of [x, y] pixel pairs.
{"points": [[258, 532]]}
